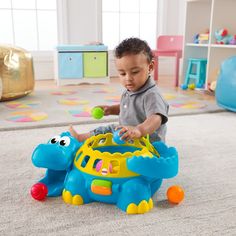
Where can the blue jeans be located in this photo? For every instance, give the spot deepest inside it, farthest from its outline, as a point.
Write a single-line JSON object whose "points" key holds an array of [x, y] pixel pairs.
{"points": [[103, 130], [111, 128]]}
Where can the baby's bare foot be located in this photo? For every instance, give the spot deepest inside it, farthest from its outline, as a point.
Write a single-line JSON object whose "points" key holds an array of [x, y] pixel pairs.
{"points": [[73, 132], [79, 137]]}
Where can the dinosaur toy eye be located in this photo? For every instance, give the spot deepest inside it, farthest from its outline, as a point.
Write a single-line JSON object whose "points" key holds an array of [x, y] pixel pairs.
{"points": [[64, 141], [54, 140]]}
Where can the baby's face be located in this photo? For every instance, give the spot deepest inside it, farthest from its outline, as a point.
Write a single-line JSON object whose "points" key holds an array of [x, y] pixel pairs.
{"points": [[133, 70]]}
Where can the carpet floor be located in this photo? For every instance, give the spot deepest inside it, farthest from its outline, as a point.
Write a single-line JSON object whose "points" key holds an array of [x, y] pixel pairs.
{"points": [[72, 105], [207, 156]]}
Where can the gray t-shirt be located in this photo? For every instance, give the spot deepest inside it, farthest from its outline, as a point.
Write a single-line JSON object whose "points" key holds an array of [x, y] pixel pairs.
{"points": [[136, 107]]}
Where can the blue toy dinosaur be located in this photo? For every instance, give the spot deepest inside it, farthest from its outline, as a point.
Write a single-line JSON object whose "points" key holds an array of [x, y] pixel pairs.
{"points": [[101, 170]]}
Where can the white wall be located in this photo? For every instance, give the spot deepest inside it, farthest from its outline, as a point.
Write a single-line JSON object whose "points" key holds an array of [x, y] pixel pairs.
{"points": [[84, 21], [80, 22], [43, 65], [173, 16]]}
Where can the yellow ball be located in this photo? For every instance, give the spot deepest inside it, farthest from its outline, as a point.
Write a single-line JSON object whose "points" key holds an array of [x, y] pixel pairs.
{"points": [[191, 86], [175, 194]]}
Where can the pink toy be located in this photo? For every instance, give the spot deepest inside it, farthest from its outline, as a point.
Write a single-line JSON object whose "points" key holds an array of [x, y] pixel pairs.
{"points": [[99, 166], [233, 40]]}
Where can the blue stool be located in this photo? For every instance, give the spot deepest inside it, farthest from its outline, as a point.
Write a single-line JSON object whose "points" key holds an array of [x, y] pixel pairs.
{"points": [[196, 72]]}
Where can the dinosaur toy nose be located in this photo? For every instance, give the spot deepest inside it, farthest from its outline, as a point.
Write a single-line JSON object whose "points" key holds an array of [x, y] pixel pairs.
{"points": [[51, 157]]}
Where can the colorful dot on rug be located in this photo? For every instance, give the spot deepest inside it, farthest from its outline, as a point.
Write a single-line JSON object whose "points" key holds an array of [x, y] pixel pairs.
{"points": [[27, 116], [81, 112], [189, 105], [64, 92], [168, 96], [104, 90], [72, 101], [113, 99], [22, 104]]}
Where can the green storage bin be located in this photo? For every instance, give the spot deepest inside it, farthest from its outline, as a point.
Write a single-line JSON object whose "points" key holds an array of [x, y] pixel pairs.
{"points": [[95, 64]]}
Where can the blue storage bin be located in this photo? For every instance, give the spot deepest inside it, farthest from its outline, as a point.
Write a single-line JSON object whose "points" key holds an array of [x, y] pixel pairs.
{"points": [[70, 65]]}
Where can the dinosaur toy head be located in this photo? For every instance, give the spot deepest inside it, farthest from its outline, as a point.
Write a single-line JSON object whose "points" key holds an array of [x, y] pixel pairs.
{"points": [[58, 154]]}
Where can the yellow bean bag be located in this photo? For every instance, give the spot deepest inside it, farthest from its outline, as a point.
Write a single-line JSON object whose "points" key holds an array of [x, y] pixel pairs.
{"points": [[16, 72]]}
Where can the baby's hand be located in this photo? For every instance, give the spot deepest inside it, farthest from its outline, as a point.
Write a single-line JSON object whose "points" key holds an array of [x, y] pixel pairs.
{"points": [[129, 132], [106, 109]]}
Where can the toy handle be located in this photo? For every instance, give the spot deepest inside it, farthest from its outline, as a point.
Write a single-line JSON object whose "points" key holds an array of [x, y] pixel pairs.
{"points": [[149, 145]]}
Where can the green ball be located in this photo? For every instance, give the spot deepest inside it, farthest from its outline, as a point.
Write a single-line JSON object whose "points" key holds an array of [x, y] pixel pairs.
{"points": [[97, 113]]}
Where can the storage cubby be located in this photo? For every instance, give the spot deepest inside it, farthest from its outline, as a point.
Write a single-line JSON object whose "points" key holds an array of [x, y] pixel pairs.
{"points": [[81, 64], [223, 16], [198, 17], [213, 15]]}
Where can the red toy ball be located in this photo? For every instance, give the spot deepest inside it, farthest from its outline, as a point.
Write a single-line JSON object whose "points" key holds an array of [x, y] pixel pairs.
{"points": [[175, 194], [39, 191]]}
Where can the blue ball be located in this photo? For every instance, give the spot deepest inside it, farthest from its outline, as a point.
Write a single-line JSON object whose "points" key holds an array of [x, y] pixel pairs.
{"points": [[184, 86], [117, 138]]}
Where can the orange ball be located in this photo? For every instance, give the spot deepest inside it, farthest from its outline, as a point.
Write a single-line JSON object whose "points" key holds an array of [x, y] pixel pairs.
{"points": [[175, 194]]}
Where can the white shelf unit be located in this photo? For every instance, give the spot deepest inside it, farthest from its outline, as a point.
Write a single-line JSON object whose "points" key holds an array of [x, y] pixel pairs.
{"points": [[213, 15]]}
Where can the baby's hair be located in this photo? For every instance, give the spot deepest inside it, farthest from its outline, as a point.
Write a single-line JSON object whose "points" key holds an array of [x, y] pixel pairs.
{"points": [[133, 46]]}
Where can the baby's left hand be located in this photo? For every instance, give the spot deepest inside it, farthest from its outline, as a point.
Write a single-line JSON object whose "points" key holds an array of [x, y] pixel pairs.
{"points": [[129, 132]]}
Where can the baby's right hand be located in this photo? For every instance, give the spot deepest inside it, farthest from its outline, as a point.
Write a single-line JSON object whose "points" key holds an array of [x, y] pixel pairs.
{"points": [[106, 109]]}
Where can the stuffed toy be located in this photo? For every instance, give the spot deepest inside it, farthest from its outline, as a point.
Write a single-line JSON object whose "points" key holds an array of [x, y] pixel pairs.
{"points": [[233, 40], [222, 36], [201, 38]]}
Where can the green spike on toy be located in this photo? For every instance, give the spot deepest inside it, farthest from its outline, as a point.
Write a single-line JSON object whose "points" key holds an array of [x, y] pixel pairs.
{"points": [[97, 113], [148, 141], [150, 146]]}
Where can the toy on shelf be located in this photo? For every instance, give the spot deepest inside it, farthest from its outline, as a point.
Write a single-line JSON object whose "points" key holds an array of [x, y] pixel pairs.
{"points": [[97, 113], [223, 37], [101, 170], [226, 85], [201, 38], [233, 40]]}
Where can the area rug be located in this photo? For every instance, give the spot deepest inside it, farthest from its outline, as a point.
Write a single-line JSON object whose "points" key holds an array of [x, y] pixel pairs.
{"points": [[72, 105], [207, 163]]}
